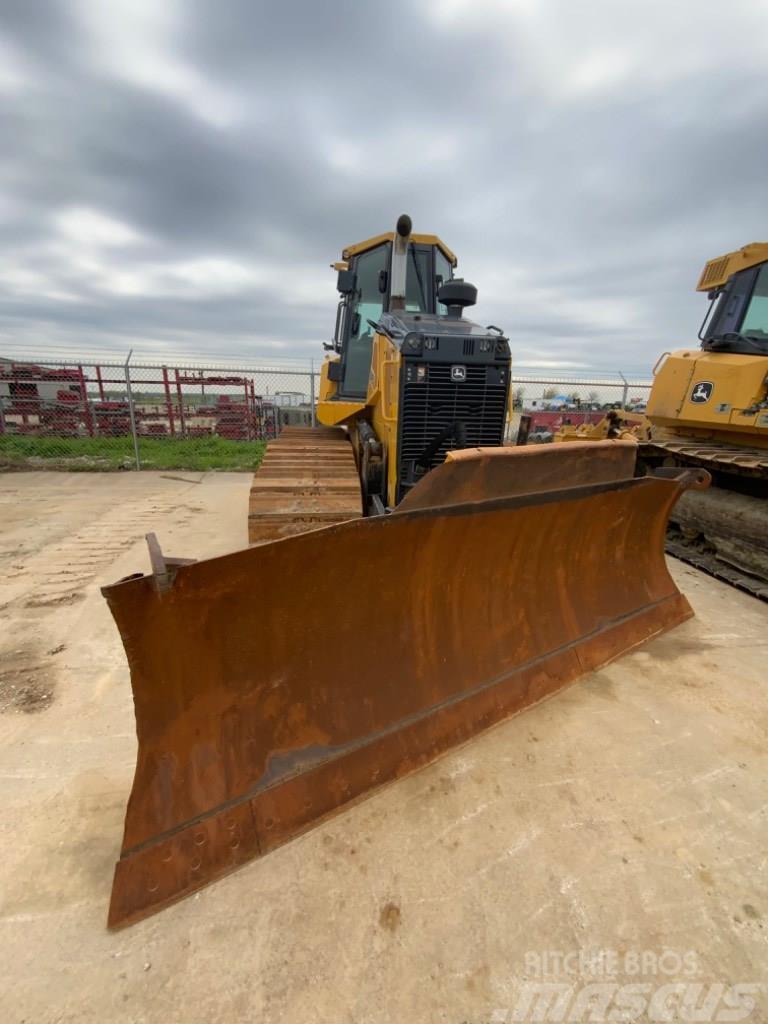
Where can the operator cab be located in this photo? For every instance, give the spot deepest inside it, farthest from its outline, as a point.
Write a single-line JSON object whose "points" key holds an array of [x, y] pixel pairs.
{"points": [[365, 284], [737, 319]]}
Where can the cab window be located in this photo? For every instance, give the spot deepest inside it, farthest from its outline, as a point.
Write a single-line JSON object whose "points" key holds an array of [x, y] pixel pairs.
{"points": [[443, 271], [418, 286], [755, 320], [367, 304]]}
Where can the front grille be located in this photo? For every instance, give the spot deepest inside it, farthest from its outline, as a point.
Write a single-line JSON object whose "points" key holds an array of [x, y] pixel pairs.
{"points": [[434, 402]]}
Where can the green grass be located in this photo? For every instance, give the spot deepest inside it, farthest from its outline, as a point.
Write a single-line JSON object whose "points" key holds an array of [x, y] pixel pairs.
{"points": [[110, 453]]}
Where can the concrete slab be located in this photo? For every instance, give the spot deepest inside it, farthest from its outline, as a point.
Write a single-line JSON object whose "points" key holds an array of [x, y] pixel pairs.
{"points": [[629, 814]]}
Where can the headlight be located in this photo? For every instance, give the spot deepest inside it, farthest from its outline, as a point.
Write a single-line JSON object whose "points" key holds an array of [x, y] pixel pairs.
{"points": [[486, 345], [413, 344]]}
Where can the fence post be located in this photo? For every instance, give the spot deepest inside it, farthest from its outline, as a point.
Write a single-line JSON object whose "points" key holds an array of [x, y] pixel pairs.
{"points": [[2, 416], [169, 401], [625, 394], [84, 398], [312, 390], [129, 393], [179, 392]]}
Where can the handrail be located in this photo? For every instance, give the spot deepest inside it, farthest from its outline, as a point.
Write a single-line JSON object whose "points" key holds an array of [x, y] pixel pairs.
{"points": [[658, 362]]}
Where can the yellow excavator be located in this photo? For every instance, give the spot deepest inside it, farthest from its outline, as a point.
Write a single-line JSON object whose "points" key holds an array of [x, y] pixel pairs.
{"points": [[411, 581], [709, 408]]}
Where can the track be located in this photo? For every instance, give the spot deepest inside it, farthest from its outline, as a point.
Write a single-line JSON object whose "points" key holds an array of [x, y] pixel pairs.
{"points": [[720, 531], [308, 479], [714, 566]]}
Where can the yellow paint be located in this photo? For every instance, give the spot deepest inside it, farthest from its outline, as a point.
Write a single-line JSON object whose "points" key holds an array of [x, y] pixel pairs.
{"points": [[331, 410], [328, 388], [380, 406], [717, 271], [338, 414], [389, 236], [739, 384], [641, 431], [382, 401]]}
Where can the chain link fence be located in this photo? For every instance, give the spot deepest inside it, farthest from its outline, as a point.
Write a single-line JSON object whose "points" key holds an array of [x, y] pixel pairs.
{"points": [[134, 415], [146, 416]]}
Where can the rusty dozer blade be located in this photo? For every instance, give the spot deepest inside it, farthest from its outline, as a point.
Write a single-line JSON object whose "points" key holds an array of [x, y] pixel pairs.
{"points": [[275, 685]]}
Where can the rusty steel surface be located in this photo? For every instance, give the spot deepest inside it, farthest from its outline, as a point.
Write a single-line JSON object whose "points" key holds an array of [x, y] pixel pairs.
{"points": [[275, 685], [307, 479], [475, 474]]}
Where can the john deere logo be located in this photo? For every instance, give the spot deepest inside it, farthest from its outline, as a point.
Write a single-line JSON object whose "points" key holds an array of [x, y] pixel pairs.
{"points": [[458, 373], [702, 392]]}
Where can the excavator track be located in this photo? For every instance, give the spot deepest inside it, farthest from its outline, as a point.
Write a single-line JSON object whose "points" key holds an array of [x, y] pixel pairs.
{"points": [[307, 480]]}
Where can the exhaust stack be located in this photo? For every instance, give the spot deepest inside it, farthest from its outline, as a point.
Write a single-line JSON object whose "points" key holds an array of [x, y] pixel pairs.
{"points": [[400, 263]]}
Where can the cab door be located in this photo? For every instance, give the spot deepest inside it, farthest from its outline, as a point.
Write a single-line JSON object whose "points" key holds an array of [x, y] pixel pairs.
{"points": [[366, 303]]}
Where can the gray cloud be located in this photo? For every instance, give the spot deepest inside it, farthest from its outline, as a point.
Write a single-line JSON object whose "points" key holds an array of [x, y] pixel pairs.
{"points": [[177, 177]]}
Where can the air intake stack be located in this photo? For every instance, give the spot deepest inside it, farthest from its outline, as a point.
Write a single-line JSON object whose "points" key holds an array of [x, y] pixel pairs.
{"points": [[457, 294]]}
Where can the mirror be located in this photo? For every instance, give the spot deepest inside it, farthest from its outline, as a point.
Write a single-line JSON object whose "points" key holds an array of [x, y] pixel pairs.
{"points": [[346, 282]]}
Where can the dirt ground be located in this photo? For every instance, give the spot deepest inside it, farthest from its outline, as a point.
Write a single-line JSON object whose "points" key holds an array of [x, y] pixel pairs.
{"points": [[628, 815]]}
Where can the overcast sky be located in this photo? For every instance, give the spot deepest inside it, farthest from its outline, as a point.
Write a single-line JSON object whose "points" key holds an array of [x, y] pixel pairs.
{"points": [[177, 176]]}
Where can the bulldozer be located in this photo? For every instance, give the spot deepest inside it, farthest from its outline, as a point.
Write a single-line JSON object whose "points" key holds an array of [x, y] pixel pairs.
{"points": [[616, 424], [409, 379], [411, 581], [709, 409]]}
